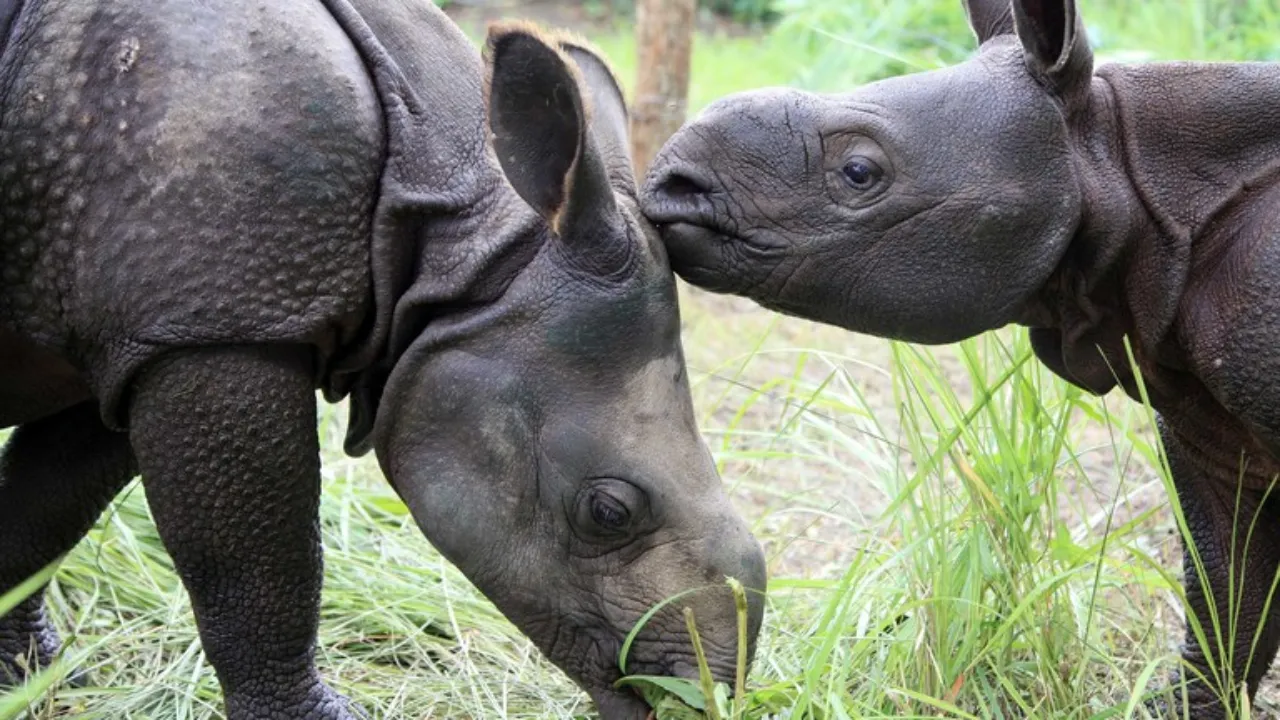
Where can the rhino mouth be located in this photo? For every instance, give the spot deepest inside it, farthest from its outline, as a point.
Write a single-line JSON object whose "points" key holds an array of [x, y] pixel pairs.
{"points": [[692, 210], [626, 703]]}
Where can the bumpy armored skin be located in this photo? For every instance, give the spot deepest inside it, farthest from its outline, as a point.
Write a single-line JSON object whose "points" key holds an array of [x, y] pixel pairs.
{"points": [[1137, 202], [56, 476], [215, 464], [210, 211], [1213, 511]]}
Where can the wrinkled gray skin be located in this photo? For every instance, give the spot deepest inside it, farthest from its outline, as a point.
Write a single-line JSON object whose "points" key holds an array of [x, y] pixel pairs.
{"points": [[209, 210], [1023, 187]]}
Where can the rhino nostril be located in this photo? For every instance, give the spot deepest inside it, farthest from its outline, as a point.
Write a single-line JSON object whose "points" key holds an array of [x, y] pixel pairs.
{"points": [[679, 195], [677, 184]]}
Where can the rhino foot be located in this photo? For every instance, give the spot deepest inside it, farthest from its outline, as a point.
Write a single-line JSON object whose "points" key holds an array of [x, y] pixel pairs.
{"points": [[1200, 702], [314, 702], [28, 642]]}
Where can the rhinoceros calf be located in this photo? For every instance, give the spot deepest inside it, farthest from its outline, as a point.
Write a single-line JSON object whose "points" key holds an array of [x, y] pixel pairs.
{"points": [[209, 210], [1021, 186]]}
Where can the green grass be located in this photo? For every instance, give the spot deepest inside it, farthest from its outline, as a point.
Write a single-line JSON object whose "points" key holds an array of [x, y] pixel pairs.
{"points": [[952, 532], [967, 597], [970, 596]]}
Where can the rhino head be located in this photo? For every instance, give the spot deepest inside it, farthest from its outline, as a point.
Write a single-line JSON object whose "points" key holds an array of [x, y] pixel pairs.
{"points": [[545, 440], [928, 207]]}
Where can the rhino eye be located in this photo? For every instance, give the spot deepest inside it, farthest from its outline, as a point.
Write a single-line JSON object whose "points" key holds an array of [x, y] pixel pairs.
{"points": [[861, 173], [609, 509], [608, 513]]}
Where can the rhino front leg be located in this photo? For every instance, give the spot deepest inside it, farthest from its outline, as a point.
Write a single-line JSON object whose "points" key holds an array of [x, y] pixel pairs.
{"points": [[56, 476], [226, 439], [1239, 571]]}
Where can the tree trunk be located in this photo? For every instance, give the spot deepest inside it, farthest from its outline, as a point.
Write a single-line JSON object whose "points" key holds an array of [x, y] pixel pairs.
{"points": [[664, 38]]}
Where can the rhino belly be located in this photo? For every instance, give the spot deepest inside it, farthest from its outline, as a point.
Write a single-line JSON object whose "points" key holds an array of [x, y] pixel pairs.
{"points": [[35, 382]]}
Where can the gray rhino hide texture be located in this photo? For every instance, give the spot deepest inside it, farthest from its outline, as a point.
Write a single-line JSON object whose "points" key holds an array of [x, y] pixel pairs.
{"points": [[210, 210], [1137, 201]]}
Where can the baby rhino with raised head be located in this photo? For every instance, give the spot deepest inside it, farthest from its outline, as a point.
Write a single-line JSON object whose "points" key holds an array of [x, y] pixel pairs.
{"points": [[208, 210], [1021, 186]]}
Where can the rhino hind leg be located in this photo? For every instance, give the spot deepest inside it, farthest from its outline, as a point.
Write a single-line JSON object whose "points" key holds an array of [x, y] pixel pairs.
{"points": [[227, 444], [1224, 522], [56, 476]]}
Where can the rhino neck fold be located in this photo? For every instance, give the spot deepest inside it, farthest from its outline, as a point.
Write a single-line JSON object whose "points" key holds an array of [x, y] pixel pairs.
{"points": [[8, 13], [451, 265], [1193, 135], [448, 233], [1162, 150]]}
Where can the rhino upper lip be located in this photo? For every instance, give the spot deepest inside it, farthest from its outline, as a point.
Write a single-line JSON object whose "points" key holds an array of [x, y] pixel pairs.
{"points": [[690, 209], [708, 230], [681, 194], [696, 212]]}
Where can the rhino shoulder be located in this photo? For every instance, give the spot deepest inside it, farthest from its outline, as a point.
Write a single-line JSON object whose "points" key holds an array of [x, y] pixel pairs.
{"points": [[1228, 314]]}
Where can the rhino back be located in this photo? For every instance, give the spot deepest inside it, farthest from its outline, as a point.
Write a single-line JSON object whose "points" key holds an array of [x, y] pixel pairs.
{"points": [[177, 173]]}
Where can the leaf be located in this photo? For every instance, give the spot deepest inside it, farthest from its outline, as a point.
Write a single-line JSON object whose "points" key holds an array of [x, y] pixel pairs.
{"points": [[721, 698], [670, 708], [685, 690]]}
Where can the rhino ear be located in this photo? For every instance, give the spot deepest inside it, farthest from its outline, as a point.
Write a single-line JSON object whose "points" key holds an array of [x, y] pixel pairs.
{"points": [[989, 18], [540, 134], [1054, 41], [609, 118]]}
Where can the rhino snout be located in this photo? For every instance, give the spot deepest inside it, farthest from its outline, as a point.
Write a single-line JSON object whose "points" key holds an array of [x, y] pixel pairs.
{"points": [[676, 182], [679, 192], [743, 559]]}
